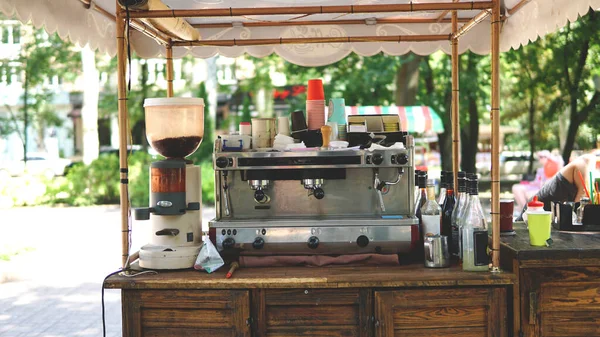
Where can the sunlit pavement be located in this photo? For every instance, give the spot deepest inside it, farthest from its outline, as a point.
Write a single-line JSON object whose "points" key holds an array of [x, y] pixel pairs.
{"points": [[55, 288]]}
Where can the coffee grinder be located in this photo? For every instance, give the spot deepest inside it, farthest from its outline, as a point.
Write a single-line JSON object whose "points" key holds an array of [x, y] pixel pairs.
{"points": [[174, 128]]}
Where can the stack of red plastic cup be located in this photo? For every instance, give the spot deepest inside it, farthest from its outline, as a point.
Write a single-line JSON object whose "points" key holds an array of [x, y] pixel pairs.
{"points": [[315, 104]]}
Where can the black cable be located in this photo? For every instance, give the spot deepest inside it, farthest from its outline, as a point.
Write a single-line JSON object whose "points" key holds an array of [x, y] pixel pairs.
{"points": [[103, 319]]}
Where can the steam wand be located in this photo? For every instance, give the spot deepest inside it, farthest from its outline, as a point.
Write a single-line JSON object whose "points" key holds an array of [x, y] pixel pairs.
{"points": [[379, 185]]}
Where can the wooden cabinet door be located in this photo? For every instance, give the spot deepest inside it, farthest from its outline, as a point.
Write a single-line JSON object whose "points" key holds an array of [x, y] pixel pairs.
{"points": [[561, 302], [312, 312], [443, 312], [173, 313]]}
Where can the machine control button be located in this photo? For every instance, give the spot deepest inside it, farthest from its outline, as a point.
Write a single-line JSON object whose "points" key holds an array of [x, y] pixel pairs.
{"points": [[313, 242], [223, 232], [228, 243], [362, 241], [377, 159], [229, 232], [259, 195], [222, 162], [264, 232], [368, 160], [402, 159], [234, 232], [258, 243]]}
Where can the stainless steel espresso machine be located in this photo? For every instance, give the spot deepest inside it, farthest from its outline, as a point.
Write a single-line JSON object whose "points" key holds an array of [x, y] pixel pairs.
{"points": [[315, 201]]}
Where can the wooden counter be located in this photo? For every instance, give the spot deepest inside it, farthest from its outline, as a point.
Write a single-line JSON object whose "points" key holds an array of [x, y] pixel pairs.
{"points": [[557, 291], [310, 301]]}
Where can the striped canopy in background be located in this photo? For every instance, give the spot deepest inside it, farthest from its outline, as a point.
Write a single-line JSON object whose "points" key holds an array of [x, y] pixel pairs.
{"points": [[413, 119]]}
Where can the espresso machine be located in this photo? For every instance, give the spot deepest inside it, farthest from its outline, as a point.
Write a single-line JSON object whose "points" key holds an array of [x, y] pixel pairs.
{"points": [[174, 128], [315, 200]]}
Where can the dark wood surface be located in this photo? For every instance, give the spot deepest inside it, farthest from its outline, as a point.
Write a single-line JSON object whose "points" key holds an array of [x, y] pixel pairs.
{"points": [[566, 245], [313, 277], [441, 312]]}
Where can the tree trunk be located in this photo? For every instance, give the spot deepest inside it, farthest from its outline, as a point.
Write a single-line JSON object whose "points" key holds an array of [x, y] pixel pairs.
{"points": [[89, 110], [25, 114], [407, 80], [470, 138], [570, 140], [531, 131]]}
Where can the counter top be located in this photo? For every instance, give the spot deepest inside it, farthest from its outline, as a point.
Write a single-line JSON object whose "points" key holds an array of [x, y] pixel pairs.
{"points": [[566, 246], [312, 277]]}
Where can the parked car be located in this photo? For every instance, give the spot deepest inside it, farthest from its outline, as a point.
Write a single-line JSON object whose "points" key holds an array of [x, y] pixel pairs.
{"points": [[38, 164]]}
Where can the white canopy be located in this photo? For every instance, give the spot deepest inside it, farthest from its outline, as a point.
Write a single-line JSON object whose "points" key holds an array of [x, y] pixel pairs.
{"points": [[70, 18]]}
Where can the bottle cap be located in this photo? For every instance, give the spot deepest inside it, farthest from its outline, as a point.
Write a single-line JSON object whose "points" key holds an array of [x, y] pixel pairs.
{"points": [[535, 203]]}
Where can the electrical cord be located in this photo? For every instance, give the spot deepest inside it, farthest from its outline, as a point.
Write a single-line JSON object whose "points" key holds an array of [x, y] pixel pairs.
{"points": [[152, 272]]}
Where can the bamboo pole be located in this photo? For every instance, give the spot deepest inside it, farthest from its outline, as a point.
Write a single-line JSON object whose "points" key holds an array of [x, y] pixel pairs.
{"points": [[441, 17], [495, 116], [303, 10], [378, 21], [467, 26], [138, 25], [518, 6], [349, 39], [122, 105], [455, 101], [169, 71]]}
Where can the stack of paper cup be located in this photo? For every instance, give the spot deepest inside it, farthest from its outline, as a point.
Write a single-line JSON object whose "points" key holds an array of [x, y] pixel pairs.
{"points": [[283, 126], [342, 133], [263, 132], [315, 104]]}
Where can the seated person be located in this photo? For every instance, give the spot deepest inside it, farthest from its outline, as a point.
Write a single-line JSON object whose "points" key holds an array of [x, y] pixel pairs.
{"points": [[566, 185], [525, 191]]}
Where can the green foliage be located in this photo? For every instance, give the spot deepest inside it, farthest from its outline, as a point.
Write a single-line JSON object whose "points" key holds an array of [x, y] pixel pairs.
{"points": [[204, 152], [42, 57], [98, 183], [246, 116], [359, 80], [208, 183]]}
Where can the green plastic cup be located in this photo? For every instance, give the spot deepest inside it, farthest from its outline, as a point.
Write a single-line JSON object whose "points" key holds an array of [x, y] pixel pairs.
{"points": [[540, 224]]}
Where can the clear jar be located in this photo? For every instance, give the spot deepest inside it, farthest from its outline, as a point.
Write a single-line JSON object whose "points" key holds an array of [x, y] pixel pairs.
{"points": [[584, 201]]}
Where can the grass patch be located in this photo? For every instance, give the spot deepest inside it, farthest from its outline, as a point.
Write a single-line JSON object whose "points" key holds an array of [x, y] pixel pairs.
{"points": [[7, 254]]}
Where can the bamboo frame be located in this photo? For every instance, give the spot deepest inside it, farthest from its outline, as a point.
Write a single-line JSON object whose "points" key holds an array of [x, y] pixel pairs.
{"points": [[169, 71], [305, 10], [455, 102], [495, 116], [467, 26], [349, 39], [494, 5], [122, 105], [379, 21], [138, 25], [518, 6]]}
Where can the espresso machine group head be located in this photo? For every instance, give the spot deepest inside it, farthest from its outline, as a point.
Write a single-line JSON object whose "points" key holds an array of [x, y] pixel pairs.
{"points": [[174, 128]]}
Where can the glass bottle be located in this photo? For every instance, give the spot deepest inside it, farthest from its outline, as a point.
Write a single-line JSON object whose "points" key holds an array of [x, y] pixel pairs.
{"points": [[416, 185], [474, 234], [431, 212], [459, 206], [422, 196], [443, 185], [447, 209], [582, 203]]}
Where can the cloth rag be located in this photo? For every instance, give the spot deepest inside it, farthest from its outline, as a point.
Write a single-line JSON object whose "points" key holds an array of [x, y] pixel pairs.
{"points": [[318, 260]]}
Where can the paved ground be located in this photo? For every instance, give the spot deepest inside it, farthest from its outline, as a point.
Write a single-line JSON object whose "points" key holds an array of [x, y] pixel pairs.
{"points": [[55, 288]]}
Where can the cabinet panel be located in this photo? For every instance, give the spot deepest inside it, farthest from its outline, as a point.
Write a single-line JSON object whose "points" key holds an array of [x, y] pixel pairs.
{"points": [[570, 324], [573, 297], [186, 313], [312, 312], [441, 312]]}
